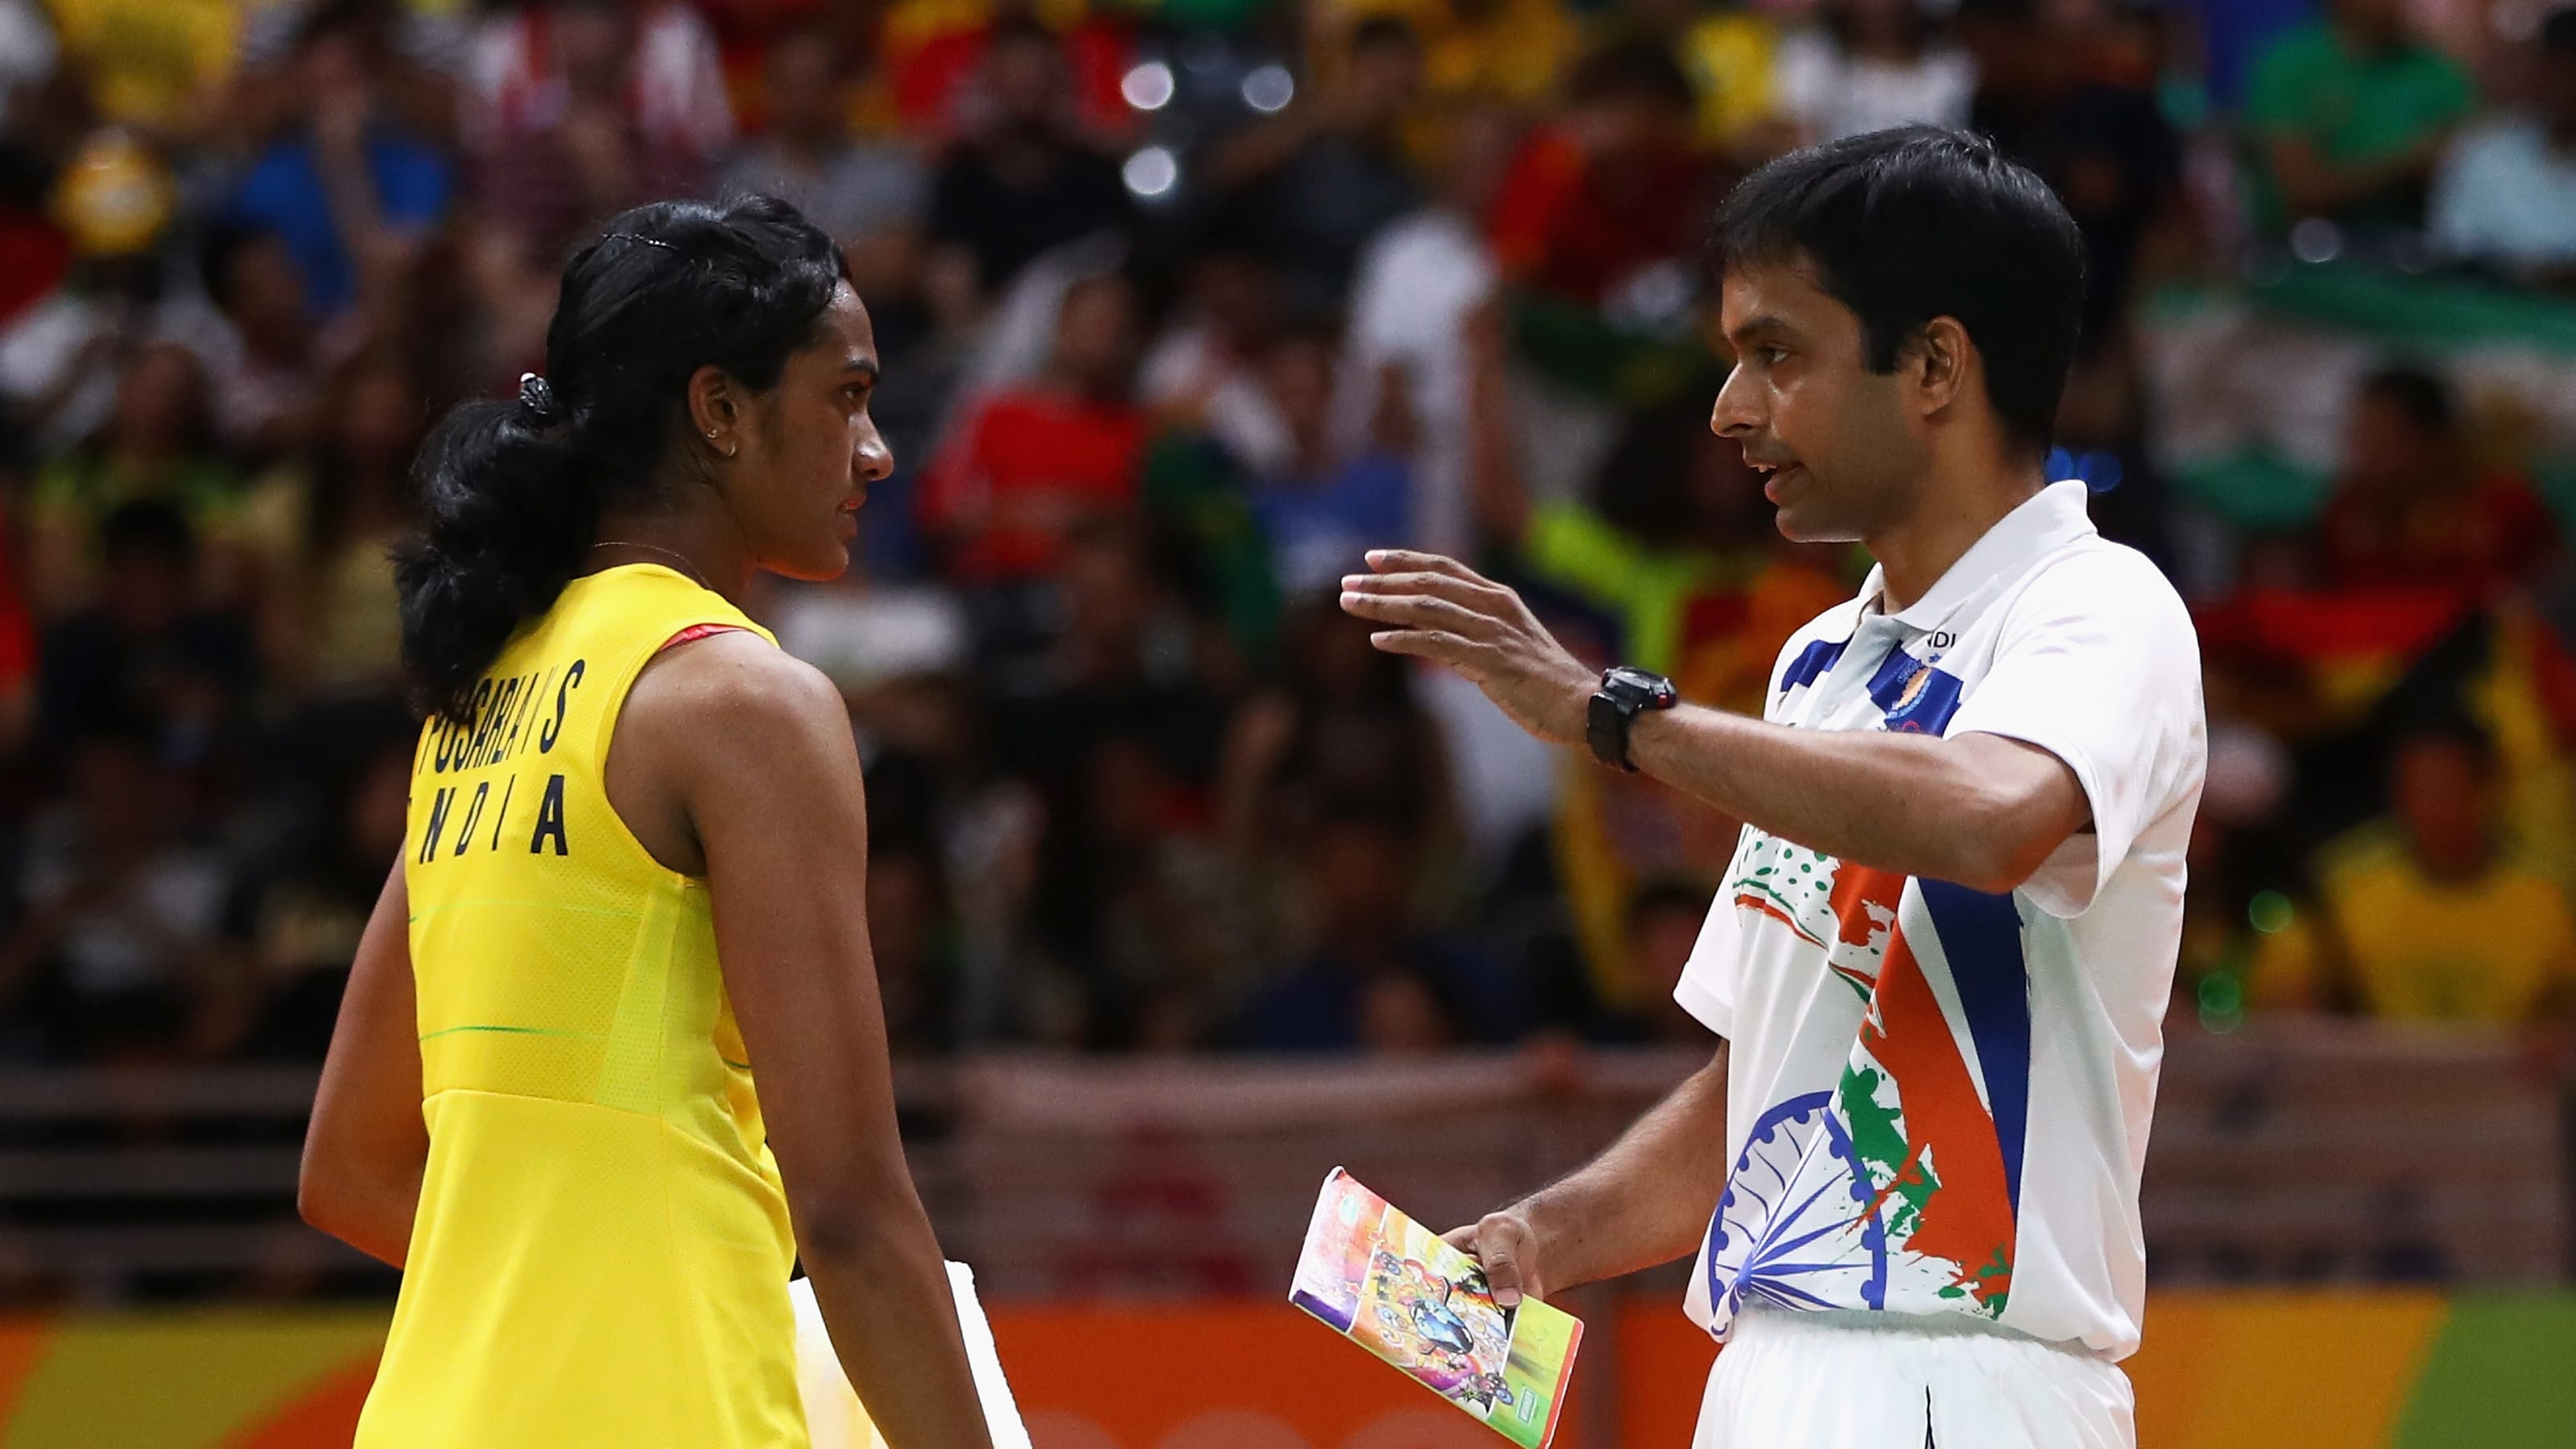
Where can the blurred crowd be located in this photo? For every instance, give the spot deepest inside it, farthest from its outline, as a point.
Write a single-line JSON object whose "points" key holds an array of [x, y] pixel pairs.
{"points": [[1182, 304]]}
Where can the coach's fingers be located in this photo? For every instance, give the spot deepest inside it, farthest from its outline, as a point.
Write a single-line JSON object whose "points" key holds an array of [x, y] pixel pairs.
{"points": [[1482, 595], [1431, 644], [1406, 560], [1502, 1249], [1419, 611]]}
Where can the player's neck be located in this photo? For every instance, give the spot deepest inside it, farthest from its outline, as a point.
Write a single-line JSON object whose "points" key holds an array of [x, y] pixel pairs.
{"points": [[702, 542], [1955, 507]]}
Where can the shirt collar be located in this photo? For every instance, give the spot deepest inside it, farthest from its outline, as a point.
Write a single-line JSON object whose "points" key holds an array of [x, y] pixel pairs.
{"points": [[2045, 522]]}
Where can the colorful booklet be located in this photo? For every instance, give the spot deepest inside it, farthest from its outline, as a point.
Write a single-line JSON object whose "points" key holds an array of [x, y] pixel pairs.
{"points": [[1400, 1292]]}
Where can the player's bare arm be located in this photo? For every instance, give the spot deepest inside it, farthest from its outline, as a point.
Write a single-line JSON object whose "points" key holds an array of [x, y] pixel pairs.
{"points": [[1979, 810], [762, 783], [1646, 1200], [367, 1146]]}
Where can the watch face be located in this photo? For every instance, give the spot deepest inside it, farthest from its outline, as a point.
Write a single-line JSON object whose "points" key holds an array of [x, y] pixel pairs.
{"points": [[1647, 689]]}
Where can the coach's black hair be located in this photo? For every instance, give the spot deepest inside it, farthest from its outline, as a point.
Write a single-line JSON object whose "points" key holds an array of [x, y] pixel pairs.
{"points": [[512, 497], [1907, 225]]}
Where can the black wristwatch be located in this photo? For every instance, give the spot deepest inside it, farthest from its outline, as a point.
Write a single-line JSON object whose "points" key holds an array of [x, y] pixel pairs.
{"points": [[1625, 694]]}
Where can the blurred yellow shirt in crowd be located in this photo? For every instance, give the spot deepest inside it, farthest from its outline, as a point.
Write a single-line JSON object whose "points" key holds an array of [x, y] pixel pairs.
{"points": [[149, 60], [1511, 50], [1730, 59], [2499, 947]]}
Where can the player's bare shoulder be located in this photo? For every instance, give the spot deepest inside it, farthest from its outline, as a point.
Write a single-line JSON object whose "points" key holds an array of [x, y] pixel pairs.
{"points": [[729, 713]]}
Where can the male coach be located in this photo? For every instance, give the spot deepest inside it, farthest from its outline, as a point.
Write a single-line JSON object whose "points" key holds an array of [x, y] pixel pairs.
{"points": [[1940, 958]]}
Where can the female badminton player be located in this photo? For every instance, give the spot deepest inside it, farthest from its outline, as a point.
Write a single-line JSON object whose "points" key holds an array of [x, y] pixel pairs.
{"points": [[633, 874]]}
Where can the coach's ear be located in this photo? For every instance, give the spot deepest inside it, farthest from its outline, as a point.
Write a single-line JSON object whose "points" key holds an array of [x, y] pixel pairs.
{"points": [[1936, 364]]}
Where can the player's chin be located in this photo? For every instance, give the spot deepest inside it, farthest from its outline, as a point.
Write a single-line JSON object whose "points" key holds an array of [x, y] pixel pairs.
{"points": [[818, 561]]}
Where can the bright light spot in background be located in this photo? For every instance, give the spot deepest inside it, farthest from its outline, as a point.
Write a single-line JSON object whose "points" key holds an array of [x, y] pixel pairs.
{"points": [[1148, 87], [2316, 239], [1152, 171], [1269, 88]]}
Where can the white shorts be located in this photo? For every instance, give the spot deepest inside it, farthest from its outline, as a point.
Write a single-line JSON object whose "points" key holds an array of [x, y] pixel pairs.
{"points": [[1869, 1381]]}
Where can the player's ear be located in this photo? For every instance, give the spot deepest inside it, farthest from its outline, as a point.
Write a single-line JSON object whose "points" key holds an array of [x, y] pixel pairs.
{"points": [[1936, 363]]}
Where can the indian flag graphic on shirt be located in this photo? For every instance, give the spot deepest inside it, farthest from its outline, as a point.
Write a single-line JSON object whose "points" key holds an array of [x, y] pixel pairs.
{"points": [[1898, 1189]]}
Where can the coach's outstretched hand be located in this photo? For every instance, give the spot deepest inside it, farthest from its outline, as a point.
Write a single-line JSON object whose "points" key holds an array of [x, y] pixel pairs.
{"points": [[1507, 1247], [1438, 608]]}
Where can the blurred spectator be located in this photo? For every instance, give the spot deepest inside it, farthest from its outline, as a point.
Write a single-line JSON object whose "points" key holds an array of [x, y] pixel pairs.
{"points": [[938, 57], [151, 64], [159, 444], [600, 108], [1027, 181], [1168, 935], [2432, 917], [148, 657], [664, 79], [2352, 111], [1731, 52], [1664, 920], [1204, 371], [913, 939], [327, 523], [29, 57], [1319, 509], [301, 925], [2232, 36], [61, 358], [2412, 507], [870, 197], [1340, 730], [1022, 467], [2102, 145], [2506, 194], [1607, 205], [267, 398], [1868, 65], [120, 955], [1673, 555], [1509, 50], [1373, 977], [1417, 284], [1319, 180], [352, 194]]}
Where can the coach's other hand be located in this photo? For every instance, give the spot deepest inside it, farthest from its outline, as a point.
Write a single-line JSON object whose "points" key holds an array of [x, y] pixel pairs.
{"points": [[1507, 1248], [1441, 609]]}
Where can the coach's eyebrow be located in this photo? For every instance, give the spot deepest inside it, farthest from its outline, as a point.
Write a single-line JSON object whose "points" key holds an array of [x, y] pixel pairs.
{"points": [[1764, 324], [864, 367]]}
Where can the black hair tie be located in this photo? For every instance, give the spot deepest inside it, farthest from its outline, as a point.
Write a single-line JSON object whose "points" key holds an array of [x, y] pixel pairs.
{"points": [[537, 402]]}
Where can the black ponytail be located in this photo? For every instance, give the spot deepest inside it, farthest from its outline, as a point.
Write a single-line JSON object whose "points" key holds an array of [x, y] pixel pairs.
{"points": [[512, 492]]}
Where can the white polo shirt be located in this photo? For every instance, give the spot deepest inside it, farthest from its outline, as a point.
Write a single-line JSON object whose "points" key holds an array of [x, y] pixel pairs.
{"points": [[1938, 1098]]}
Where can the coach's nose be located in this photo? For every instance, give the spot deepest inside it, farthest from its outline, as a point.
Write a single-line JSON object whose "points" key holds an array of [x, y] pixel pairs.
{"points": [[1737, 410]]}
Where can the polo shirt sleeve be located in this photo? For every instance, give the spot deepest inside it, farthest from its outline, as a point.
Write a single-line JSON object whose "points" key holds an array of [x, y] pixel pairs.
{"points": [[2097, 663], [1707, 987]]}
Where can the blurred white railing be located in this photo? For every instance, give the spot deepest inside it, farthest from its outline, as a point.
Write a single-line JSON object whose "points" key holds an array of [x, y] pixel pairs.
{"points": [[2328, 1150]]}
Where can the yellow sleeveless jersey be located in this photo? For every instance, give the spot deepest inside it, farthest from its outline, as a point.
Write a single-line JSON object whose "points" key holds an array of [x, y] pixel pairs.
{"points": [[602, 1251]]}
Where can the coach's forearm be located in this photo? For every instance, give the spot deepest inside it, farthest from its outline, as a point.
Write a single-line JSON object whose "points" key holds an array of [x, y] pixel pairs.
{"points": [[1905, 803], [1647, 1199]]}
